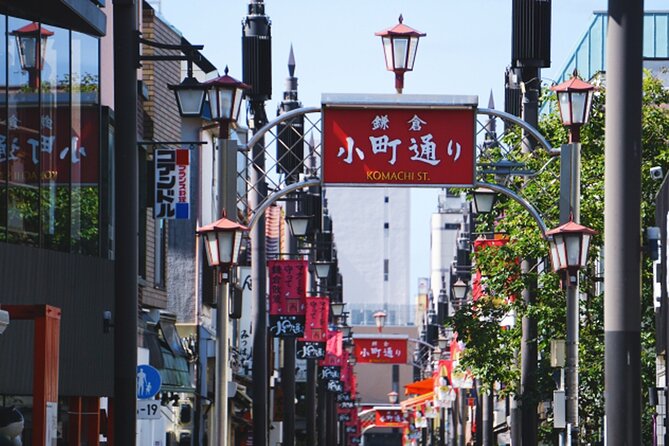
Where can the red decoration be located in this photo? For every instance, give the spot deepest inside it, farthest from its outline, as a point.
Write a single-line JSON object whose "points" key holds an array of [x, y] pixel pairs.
{"points": [[411, 146], [316, 322], [287, 287], [333, 351]]}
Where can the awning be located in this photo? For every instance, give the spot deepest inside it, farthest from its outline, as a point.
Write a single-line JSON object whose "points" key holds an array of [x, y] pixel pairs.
{"points": [[419, 387], [417, 400]]}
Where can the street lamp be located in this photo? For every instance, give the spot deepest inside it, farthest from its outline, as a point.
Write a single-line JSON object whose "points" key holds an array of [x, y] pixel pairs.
{"points": [[225, 99], [442, 342], [569, 245], [380, 319], [322, 268], [190, 95], [574, 101], [484, 200], [299, 224], [337, 309], [222, 240], [393, 397], [459, 289], [31, 42], [400, 43]]}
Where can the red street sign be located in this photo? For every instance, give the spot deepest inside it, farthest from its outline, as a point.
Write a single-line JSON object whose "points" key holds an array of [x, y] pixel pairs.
{"points": [[390, 140], [381, 350], [389, 418]]}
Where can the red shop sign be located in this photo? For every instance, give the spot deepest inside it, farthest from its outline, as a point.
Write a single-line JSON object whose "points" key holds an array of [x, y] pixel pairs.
{"points": [[399, 140], [316, 322], [381, 350], [389, 418], [288, 284]]}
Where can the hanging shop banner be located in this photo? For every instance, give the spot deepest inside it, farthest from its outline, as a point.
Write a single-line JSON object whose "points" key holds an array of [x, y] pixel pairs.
{"points": [[334, 386], [287, 297], [331, 372], [310, 350], [172, 184], [347, 405], [389, 418], [344, 396], [333, 351], [404, 140], [312, 345], [381, 350]]}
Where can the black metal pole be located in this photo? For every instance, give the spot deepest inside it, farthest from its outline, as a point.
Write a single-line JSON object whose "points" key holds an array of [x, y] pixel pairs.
{"points": [[311, 401], [322, 414], [622, 226], [126, 220], [257, 72]]}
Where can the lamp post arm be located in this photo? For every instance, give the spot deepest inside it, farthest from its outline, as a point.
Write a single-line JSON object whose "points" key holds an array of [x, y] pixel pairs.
{"points": [[276, 195], [520, 200], [524, 125]]}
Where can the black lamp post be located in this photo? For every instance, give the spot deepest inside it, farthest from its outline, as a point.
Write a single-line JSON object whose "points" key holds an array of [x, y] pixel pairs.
{"points": [[222, 240], [484, 200], [31, 43], [400, 44], [190, 95]]}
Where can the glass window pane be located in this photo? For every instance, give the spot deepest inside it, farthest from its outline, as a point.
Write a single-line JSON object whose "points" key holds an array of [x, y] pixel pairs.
{"points": [[3, 128], [22, 137], [388, 52], [82, 152], [400, 48], [413, 45], [54, 118]]}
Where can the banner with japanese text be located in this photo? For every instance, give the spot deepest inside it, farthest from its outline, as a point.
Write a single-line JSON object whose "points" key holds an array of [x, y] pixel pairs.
{"points": [[333, 350], [389, 418], [382, 143], [287, 297], [172, 183], [381, 350], [312, 345]]}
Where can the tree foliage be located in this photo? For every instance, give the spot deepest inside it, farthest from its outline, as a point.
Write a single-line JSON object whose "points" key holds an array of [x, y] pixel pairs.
{"points": [[492, 350]]}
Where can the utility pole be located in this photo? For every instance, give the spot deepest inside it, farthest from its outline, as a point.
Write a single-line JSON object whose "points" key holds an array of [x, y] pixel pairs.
{"points": [[126, 261], [622, 225], [257, 72]]}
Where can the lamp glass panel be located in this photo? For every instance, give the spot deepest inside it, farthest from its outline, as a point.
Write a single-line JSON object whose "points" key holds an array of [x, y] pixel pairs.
{"points": [[190, 101], [484, 201], [585, 248], [565, 107], [337, 308], [555, 260], [588, 106], [27, 51], [388, 52], [560, 248], [226, 243], [460, 289], [322, 270], [413, 46], [239, 95], [573, 243], [346, 331], [211, 246], [400, 50], [221, 103], [578, 102], [299, 225], [237, 246]]}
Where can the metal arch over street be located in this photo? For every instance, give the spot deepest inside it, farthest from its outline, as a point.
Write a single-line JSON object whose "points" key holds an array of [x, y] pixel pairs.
{"points": [[257, 213], [523, 125]]}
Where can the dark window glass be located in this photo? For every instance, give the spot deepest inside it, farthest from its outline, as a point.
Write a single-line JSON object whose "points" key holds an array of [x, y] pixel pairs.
{"points": [[386, 199], [84, 150], [54, 115], [386, 225], [23, 135]]}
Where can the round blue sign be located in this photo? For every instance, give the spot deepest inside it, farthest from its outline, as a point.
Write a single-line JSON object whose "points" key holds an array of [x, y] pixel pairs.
{"points": [[148, 381]]}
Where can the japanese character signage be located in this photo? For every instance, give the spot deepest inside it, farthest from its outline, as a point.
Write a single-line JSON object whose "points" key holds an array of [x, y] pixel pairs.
{"points": [[310, 350], [334, 350], [172, 184], [287, 297], [331, 372], [312, 345], [390, 143], [389, 418], [48, 146], [381, 350]]}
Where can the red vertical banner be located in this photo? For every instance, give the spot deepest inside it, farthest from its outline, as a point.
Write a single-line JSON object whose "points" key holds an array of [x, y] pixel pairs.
{"points": [[333, 350], [312, 345], [287, 297]]}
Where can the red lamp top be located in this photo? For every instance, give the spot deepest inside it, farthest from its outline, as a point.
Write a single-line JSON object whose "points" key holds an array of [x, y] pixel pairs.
{"points": [[400, 30], [226, 81], [574, 84], [571, 227], [33, 28], [222, 224]]}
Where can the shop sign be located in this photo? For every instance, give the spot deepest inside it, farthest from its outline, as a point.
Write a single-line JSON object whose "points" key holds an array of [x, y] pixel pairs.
{"points": [[381, 350], [330, 373], [287, 297], [172, 184], [352, 429], [334, 386], [344, 397], [346, 405], [310, 350], [344, 416], [333, 350], [396, 143], [316, 319], [389, 418]]}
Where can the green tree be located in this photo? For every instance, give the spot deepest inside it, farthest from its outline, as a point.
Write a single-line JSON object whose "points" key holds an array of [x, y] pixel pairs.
{"points": [[492, 351]]}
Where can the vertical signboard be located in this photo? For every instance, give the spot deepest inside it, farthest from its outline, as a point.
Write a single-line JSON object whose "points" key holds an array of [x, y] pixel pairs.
{"points": [[172, 184], [287, 297], [312, 345]]}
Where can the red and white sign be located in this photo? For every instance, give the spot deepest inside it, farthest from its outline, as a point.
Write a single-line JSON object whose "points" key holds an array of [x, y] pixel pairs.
{"points": [[172, 186], [389, 418], [373, 145], [287, 287], [316, 323], [381, 350]]}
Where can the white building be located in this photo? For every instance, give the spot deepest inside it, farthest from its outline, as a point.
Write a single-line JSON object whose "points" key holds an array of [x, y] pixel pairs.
{"points": [[372, 236]]}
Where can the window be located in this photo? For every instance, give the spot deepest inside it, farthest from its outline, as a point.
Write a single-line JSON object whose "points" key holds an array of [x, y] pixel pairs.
{"points": [[386, 267], [386, 199], [386, 225]]}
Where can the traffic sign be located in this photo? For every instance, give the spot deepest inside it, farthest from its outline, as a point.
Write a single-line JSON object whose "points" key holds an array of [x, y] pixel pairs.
{"points": [[148, 409], [148, 381]]}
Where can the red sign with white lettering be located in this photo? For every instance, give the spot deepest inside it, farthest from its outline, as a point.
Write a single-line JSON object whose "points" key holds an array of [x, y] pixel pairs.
{"points": [[287, 287], [381, 350], [399, 146], [316, 323], [389, 418]]}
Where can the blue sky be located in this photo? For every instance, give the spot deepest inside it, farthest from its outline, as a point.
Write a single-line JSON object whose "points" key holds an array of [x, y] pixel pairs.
{"points": [[467, 47]]}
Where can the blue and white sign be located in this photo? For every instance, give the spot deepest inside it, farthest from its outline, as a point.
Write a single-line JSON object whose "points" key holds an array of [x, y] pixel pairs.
{"points": [[148, 381]]}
